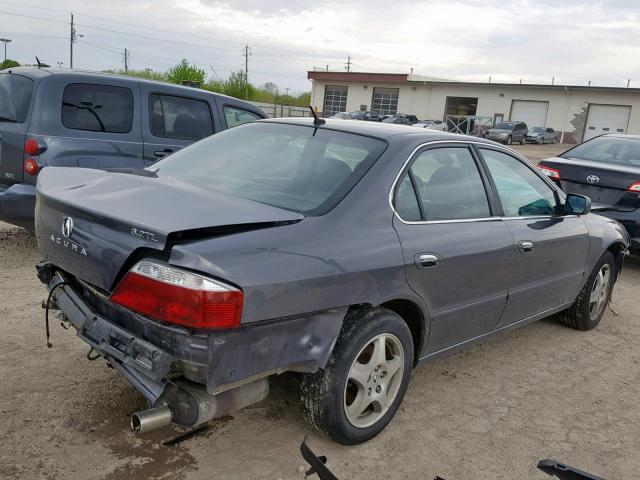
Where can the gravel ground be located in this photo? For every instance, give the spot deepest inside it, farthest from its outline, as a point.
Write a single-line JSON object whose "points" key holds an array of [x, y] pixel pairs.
{"points": [[490, 411]]}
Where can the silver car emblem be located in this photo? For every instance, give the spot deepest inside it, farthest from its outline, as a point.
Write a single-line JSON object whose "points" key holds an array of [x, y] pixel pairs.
{"points": [[67, 226], [593, 179]]}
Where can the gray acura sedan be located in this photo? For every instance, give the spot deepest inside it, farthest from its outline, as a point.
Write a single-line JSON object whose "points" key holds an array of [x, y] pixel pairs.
{"points": [[347, 251]]}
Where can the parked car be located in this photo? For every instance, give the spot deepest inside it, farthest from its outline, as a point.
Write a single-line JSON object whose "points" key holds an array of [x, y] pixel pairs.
{"points": [[541, 135], [62, 117], [397, 119], [432, 125], [341, 116], [365, 115], [606, 169], [508, 132], [340, 250]]}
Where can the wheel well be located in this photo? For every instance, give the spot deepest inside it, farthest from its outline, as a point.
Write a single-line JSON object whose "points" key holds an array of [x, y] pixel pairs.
{"points": [[412, 315], [618, 250]]}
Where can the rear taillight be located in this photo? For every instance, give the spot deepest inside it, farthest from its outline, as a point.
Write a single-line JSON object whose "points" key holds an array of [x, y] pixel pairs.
{"points": [[552, 173], [172, 295], [634, 187], [31, 147], [31, 166]]}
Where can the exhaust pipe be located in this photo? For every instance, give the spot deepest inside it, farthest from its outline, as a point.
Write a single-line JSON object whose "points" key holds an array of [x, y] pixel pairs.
{"points": [[189, 404], [151, 419]]}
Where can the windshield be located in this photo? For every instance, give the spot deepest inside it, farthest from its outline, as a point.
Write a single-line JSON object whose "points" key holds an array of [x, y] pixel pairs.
{"points": [[15, 97], [504, 126], [537, 130], [298, 168], [616, 150]]}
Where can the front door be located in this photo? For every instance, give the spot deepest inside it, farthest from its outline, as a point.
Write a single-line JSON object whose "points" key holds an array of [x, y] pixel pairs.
{"points": [[551, 248], [457, 253]]}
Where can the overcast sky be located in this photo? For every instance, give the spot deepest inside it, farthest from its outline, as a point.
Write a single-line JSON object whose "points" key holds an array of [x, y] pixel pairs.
{"points": [[572, 40]]}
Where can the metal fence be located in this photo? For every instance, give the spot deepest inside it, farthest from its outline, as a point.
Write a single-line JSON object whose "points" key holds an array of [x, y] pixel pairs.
{"points": [[277, 110]]}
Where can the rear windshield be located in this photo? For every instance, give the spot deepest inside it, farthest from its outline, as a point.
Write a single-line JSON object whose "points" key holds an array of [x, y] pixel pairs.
{"points": [[294, 167], [15, 97], [616, 150]]}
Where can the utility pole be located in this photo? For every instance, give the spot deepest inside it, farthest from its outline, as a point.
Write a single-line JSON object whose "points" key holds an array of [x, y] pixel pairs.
{"points": [[126, 61], [5, 41], [73, 38], [247, 52], [628, 81], [348, 67]]}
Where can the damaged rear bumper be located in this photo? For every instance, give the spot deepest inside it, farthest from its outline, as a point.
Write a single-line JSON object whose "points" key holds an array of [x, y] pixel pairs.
{"points": [[151, 355]]}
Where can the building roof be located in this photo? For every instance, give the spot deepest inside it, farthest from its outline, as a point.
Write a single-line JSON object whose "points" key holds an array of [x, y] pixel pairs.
{"points": [[411, 79]]}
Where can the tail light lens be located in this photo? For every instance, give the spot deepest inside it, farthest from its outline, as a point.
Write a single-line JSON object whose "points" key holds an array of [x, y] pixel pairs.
{"points": [[31, 147], [31, 166], [172, 295], [634, 187], [552, 173]]}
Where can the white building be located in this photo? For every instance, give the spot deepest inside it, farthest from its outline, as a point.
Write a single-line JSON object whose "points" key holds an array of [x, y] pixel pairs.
{"points": [[576, 112]]}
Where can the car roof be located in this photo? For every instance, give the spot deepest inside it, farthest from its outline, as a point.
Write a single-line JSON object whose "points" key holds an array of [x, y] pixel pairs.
{"points": [[380, 130], [36, 72]]}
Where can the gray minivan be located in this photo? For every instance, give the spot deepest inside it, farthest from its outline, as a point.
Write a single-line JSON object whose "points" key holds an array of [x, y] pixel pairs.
{"points": [[65, 117]]}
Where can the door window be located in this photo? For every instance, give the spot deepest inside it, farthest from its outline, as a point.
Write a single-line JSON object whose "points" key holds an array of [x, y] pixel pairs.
{"points": [[521, 191], [448, 184], [179, 117], [97, 108], [237, 116]]}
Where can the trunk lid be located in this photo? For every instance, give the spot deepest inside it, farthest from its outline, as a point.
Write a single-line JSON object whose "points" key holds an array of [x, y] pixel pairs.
{"points": [[115, 215], [606, 184], [16, 92]]}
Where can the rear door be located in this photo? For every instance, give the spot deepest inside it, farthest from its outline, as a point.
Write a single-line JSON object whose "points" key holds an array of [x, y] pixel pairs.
{"points": [[16, 92], [458, 255], [551, 248], [172, 121]]}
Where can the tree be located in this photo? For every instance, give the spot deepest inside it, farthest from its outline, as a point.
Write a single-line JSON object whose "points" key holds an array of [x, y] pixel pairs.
{"points": [[236, 86], [8, 63], [185, 71]]}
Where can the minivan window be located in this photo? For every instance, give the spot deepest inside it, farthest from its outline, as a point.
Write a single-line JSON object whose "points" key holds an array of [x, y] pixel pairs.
{"points": [[504, 126], [179, 117], [237, 116], [97, 108], [15, 97], [298, 168]]}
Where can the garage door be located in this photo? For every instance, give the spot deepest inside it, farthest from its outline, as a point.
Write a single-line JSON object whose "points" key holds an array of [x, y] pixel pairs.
{"points": [[533, 113], [606, 119]]}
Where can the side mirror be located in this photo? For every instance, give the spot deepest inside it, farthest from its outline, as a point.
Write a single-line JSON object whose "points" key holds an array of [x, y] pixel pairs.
{"points": [[577, 204]]}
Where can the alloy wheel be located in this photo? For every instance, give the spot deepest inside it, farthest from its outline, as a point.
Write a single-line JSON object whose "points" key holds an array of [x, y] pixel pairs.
{"points": [[600, 292], [374, 380]]}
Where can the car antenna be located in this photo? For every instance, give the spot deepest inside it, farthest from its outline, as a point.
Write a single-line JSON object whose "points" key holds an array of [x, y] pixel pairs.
{"points": [[317, 121], [40, 64]]}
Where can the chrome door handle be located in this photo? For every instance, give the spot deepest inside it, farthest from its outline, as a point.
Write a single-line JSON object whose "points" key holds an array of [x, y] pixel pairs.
{"points": [[427, 260], [526, 246]]}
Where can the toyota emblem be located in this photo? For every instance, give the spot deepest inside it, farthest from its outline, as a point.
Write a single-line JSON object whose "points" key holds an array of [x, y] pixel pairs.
{"points": [[67, 226], [593, 179]]}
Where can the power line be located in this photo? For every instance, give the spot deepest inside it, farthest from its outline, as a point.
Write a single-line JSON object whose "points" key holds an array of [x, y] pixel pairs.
{"points": [[137, 26]]}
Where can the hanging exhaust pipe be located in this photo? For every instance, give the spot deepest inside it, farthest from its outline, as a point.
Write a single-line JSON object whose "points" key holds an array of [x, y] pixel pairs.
{"points": [[151, 419], [188, 404]]}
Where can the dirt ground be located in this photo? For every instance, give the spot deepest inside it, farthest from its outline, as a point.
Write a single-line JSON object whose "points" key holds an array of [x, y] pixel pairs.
{"points": [[489, 412]]}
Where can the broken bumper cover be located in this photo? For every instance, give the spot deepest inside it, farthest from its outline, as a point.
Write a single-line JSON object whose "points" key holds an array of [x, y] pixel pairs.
{"points": [[150, 354]]}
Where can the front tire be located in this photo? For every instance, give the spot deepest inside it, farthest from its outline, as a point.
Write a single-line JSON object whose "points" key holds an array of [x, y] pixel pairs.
{"points": [[589, 307], [509, 140], [523, 140], [359, 391]]}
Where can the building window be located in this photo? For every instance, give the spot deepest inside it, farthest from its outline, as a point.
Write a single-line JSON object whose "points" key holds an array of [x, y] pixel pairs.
{"points": [[335, 100], [385, 100]]}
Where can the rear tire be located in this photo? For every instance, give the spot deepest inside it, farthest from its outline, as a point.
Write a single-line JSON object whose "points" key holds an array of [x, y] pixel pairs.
{"points": [[592, 301], [359, 391]]}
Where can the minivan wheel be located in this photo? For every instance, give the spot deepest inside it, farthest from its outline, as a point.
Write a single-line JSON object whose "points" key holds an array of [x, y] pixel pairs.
{"points": [[589, 307], [359, 391], [523, 140]]}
